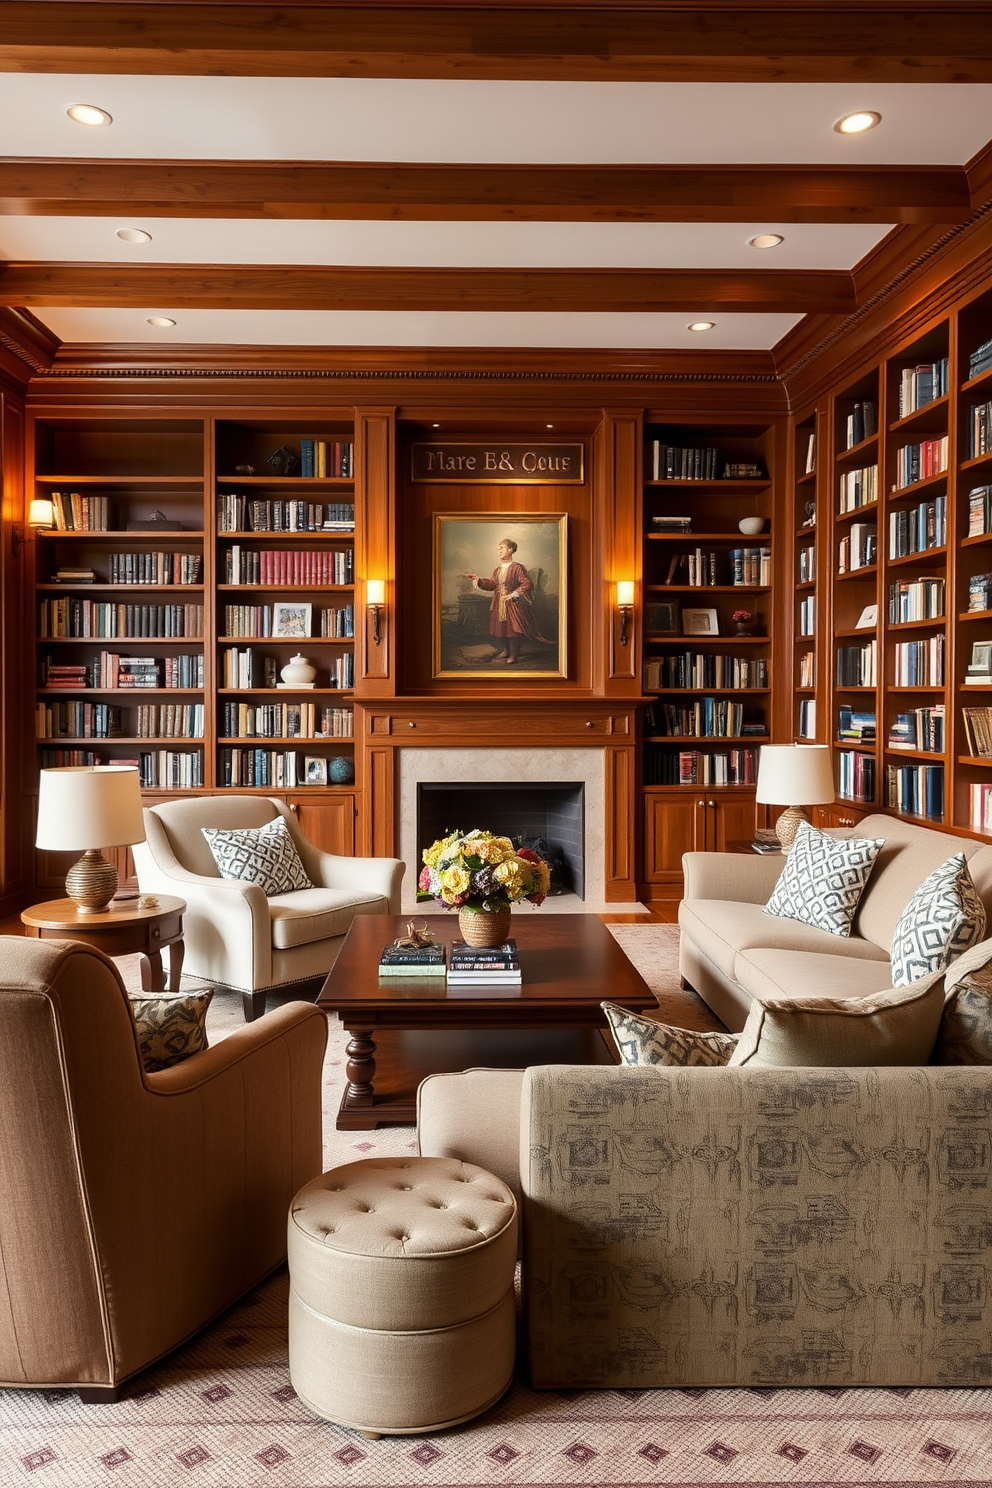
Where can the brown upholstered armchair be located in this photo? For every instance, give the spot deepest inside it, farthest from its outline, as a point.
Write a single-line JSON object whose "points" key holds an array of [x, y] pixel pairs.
{"points": [[135, 1207]]}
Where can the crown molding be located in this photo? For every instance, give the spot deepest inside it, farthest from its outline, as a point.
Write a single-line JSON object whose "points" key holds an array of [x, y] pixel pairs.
{"points": [[26, 346]]}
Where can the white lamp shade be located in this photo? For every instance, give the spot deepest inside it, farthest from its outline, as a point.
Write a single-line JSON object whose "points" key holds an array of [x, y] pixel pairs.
{"points": [[86, 806], [625, 592], [375, 591], [795, 775]]}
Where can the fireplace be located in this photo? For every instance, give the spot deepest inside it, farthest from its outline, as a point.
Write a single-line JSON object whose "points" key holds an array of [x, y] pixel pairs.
{"points": [[554, 811]]}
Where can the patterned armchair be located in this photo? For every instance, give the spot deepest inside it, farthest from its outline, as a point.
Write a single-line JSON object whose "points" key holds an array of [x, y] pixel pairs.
{"points": [[235, 936]]}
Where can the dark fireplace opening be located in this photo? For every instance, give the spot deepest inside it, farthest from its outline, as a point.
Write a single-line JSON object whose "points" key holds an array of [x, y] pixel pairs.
{"points": [[529, 809]]}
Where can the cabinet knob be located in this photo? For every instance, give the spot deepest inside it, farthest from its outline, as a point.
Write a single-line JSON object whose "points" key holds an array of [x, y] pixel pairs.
{"points": [[293, 806], [589, 723], [702, 803], [411, 724], [156, 933]]}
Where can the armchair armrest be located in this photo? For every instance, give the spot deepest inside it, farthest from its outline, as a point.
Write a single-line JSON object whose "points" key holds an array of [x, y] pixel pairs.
{"points": [[373, 875], [474, 1116], [716, 875], [301, 1022]]}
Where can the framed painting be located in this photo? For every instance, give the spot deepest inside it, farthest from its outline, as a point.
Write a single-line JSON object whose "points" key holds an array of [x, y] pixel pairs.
{"points": [[500, 594], [699, 622], [290, 620], [661, 618]]}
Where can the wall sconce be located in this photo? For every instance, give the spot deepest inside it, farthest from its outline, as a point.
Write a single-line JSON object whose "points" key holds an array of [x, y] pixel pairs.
{"points": [[375, 598], [41, 513], [625, 603]]}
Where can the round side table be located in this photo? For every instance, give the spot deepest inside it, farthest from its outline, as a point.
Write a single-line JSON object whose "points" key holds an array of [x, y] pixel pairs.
{"points": [[119, 931]]}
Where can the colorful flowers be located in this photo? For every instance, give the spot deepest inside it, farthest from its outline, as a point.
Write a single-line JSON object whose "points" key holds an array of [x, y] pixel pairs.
{"points": [[482, 871], [740, 617]]}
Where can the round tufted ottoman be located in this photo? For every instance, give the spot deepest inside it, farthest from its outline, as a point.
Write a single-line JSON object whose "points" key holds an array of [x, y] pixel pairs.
{"points": [[401, 1308]]}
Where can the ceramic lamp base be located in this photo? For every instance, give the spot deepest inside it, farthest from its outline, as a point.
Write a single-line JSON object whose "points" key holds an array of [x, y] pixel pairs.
{"points": [[788, 825], [91, 882]]}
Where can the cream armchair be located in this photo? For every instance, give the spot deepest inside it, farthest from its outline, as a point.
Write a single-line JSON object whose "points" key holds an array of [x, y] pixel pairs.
{"points": [[235, 936]]}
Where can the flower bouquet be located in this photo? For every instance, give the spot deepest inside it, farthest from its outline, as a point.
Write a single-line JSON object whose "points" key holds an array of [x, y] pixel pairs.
{"points": [[481, 875]]}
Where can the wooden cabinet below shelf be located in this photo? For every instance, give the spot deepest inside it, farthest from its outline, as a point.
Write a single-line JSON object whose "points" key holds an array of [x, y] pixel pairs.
{"points": [[680, 821], [328, 822]]}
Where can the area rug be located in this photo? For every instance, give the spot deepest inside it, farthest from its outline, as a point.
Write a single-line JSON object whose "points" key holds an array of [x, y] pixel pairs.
{"points": [[221, 1413]]}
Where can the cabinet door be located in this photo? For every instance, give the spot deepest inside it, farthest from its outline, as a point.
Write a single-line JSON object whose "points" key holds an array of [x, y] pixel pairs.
{"points": [[672, 825], [836, 816], [729, 821], [329, 823]]}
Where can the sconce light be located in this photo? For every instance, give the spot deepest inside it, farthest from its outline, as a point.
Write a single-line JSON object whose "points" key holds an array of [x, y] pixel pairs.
{"points": [[375, 598], [41, 513], [625, 603]]}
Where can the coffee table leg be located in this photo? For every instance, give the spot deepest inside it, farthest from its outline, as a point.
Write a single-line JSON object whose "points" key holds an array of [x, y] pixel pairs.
{"points": [[360, 1069], [152, 974]]}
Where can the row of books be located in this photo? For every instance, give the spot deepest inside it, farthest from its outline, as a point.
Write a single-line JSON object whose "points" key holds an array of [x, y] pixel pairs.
{"points": [[675, 462], [980, 359], [855, 725], [259, 621], [667, 766], [240, 669], [855, 775], [980, 429], [77, 513], [807, 669], [978, 731], [156, 568], [921, 729], [921, 384], [170, 720], [857, 488], [979, 511], [916, 599], [699, 669], [861, 422], [239, 513], [980, 796], [323, 459], [806, 615], [276, 769], [706, 718], [286, 721], [980, 592], [668, 523], [915, 790], [288, 565], [915, 529], [917, 462], [168, 769], [807, 564], [807, 718], [82, 618], [857, 666], [110, 671], [78, 721], [858, 548], [919, 663]]}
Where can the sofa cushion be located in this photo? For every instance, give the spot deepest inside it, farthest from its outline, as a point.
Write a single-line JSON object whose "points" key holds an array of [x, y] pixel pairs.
{"points": [[642, 1040], [170, 1027], [965, 1033], [944, 917], [896, 1026], [911, 852], [265, 856], [823, 879], [721, 927], [318, 914], [762, 972]]}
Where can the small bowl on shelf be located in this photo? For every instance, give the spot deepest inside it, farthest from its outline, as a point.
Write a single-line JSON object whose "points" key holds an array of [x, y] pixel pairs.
{"points": [[751, 526]]}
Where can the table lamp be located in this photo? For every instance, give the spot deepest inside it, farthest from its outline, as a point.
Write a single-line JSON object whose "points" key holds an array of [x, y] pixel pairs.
{"points": [[794, 776], [86, 804]]}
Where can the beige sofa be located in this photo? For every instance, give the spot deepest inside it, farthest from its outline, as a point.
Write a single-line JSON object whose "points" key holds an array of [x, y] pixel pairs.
{"points": [[736, 1227], [730, 950]]}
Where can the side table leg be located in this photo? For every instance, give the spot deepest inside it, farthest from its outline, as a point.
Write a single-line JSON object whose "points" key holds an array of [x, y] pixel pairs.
{"points": [[177, 952], [360, 1070], [152, 972]]}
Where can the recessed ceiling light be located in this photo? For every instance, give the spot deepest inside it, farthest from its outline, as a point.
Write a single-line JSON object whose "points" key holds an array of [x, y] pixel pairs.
{"points": [[765, 240], [160, 320], [701, 325], [133, 235], [858, 122], [89, 114]]}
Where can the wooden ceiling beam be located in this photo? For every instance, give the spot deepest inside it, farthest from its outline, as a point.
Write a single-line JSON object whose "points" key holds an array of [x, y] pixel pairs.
{"points": [[285, 190], [669, 40], [295, 287]]}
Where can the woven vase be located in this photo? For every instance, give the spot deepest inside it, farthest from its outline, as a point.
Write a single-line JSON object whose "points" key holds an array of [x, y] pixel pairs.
{"points": [[484, 927]]}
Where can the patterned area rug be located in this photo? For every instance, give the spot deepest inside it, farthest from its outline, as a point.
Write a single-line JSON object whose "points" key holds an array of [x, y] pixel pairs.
{"points": [[222, 1413]]}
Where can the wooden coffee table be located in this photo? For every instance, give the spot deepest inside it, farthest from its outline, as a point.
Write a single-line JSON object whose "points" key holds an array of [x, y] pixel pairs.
{"points": [[404, 1028]]}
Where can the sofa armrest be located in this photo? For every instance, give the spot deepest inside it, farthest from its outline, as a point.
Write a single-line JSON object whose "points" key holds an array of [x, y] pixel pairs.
{"points": [[734, 876], [474, 1116], [304, 1023]]}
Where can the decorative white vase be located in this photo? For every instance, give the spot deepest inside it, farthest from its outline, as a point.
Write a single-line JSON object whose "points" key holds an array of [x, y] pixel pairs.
{"points": [[298, 672], [751, 526]]}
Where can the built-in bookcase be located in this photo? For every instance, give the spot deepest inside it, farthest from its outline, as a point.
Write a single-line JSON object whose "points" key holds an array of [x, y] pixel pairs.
{"points": [[806, 589]]}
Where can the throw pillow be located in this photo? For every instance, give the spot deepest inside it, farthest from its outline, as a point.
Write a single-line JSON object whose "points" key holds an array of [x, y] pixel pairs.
{"points": [[965, 1033], [823, 879], [898, 1026], [944, 917], [641, 1040], [265, 856], [170, 1027]]}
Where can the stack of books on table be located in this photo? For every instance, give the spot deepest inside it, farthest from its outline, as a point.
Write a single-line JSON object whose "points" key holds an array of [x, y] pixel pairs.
{"points": [[766, 840], [484, 966], [417, 961]]}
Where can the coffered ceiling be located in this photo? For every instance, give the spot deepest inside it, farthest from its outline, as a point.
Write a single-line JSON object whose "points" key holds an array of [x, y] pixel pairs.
{"points": [[454, 176]]}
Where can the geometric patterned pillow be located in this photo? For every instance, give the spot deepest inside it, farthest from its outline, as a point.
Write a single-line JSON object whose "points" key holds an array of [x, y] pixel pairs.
{"points": [[823, 879], [944, 917], [265, 856], [965, 1035], [170, 1028], [641, 1040]]}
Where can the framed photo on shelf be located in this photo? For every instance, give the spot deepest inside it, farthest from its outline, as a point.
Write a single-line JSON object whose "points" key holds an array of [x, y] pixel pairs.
{"points": [[868, 617], [291, 620], [500, 594], [661, 618], [981, 658], [699, 622], [315, 769]]}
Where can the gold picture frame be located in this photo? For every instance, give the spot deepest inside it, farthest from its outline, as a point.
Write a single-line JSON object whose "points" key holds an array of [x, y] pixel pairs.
{"points": [[500, 611]]}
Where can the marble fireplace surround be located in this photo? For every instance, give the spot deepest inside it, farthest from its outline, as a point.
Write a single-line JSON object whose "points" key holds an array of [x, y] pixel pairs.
{"points": [[584, 767]]}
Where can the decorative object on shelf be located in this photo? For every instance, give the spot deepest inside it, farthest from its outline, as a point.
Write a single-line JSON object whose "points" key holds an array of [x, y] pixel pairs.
{"points": [[751, 526], [82, 804], [625, 603], [158, 522], [244, 470], [298, 672], [789, 774], [340, 770], [375, 598], [315, 769], [283, 461], [481, 875], [41, 514], [661, 618], [291, 620], [742, 620], [699, 622], [500, 604]]}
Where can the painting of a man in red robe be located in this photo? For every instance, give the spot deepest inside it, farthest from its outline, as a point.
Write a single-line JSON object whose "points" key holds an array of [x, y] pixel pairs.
{"points": [[511, 614]]}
